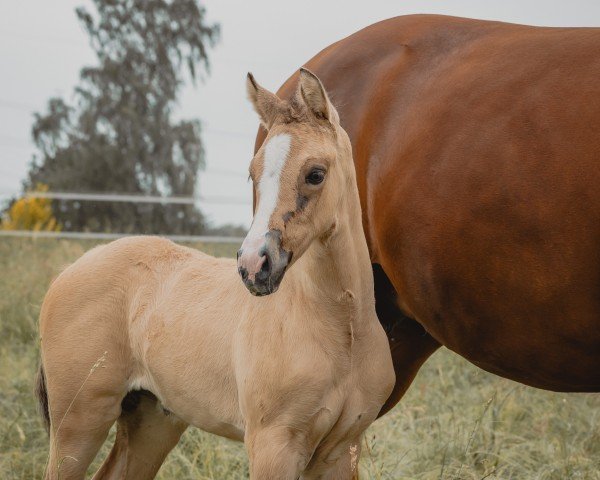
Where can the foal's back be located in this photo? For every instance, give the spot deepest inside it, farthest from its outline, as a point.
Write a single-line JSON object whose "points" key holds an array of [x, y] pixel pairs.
{"points": [[104, 277], [117, 290]]}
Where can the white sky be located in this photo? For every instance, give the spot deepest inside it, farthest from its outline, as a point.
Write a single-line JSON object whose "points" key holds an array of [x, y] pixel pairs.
{"points": [[42, 49]]}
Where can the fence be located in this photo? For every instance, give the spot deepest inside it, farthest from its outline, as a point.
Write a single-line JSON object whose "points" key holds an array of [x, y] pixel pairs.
{"points": [[109, 197], [114, 236]]}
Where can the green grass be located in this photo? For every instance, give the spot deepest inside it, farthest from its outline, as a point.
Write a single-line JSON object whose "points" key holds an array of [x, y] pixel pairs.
{"points": [[456, 421]]}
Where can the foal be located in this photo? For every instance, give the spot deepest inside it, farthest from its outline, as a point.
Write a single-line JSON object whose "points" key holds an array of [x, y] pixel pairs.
{"points": [[157, 337]]}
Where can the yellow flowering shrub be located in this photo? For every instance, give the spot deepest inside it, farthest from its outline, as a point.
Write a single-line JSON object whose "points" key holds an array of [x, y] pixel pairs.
{"points": [[31, 213]]}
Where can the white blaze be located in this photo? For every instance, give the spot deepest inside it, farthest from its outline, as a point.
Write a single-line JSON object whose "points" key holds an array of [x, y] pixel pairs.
{"points": [[276, 153]]}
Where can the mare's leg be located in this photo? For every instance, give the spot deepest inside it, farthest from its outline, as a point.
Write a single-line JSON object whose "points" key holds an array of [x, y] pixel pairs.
{"points": [[145, 436], [410, 344], [276, 453]]}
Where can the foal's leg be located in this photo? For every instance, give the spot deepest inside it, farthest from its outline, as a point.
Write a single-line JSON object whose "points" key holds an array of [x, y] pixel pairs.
{"points": [[335, 462], [346, 467], [145, 436], [275, 453], [77, 436], [84, 402]]}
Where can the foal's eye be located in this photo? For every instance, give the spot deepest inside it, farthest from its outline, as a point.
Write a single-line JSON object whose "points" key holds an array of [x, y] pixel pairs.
{"points": [[315, 176]]}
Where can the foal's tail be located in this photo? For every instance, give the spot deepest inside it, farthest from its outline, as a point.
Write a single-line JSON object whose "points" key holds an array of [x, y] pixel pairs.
{"points": [[41, 394]]}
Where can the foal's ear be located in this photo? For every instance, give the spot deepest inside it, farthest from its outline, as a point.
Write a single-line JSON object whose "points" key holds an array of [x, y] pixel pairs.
{"points": [[314, 95], [265, 103]]}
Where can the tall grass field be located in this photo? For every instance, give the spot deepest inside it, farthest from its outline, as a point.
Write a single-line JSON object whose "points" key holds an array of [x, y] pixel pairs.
{"points": [[456, 421]]}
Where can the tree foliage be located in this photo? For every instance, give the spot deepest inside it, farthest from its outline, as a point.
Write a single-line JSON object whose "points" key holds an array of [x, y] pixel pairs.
{"points": [[118, 134]]}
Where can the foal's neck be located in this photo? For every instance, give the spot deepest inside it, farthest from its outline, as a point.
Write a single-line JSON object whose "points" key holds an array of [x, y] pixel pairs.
{"points": [[337, 269]]}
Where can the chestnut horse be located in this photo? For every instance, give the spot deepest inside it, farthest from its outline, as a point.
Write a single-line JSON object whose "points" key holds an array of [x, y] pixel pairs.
{"points": [[156, 337], [477, 151]]}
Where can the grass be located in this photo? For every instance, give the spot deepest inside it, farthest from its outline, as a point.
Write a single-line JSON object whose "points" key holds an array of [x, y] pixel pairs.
{"points": [[456, 421]]}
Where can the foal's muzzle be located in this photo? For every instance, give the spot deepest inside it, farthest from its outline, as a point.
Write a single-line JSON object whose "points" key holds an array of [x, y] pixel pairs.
{"points": [[262, 263]]}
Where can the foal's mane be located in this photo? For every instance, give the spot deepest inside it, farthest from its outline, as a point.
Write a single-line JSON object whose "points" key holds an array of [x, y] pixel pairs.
{"points": [[295, 110]]}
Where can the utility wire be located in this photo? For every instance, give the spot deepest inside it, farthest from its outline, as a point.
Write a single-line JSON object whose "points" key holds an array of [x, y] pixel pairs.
{"points": [[17, 105], [4, 103], [209, 171], [86, 46]]}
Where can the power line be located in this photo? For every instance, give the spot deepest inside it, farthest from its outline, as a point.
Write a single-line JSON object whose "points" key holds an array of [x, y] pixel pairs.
{"points": [[10, 171], [14, 145], [45, 39], [210, 131], [225, 172], [14, 141], [5, 103], [209, 171], [86, 46], [114, 236], [17, 105], [228, 133]]}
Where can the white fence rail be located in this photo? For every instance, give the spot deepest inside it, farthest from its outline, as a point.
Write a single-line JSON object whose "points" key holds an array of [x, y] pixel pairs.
{"points": [[114, 236], [110, 197]]}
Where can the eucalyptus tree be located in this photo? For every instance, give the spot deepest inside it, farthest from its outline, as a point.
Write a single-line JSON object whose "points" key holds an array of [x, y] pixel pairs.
{"points": [[118, 133]]}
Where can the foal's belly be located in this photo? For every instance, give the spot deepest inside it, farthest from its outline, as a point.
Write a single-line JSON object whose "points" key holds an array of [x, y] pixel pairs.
{"points": [[183, 356], [195, 400]]}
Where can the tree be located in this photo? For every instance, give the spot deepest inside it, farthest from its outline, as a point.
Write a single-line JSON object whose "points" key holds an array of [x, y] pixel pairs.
{"points": [[118, 135]]}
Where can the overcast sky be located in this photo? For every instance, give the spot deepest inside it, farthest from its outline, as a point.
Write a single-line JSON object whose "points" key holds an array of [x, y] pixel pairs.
{"points": [[42, 49]]}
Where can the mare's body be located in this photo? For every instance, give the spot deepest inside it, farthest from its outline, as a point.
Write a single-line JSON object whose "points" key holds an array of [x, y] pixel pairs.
{"points": [[477, 152]]}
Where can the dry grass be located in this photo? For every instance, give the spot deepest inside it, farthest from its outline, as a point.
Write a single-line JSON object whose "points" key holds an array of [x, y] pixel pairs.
{"points": [[456, 422]]}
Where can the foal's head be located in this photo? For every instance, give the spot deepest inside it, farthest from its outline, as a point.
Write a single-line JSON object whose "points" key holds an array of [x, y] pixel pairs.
{"points": [[300, 176]]}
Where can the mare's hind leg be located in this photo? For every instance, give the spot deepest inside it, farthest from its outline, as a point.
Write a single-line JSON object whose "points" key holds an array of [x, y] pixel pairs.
{"points": [[145, 436], [410, 343]]}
